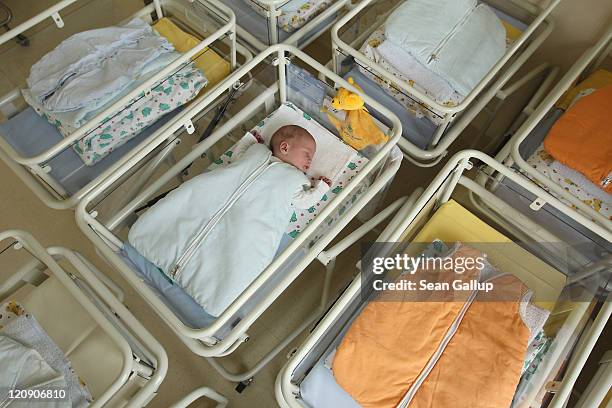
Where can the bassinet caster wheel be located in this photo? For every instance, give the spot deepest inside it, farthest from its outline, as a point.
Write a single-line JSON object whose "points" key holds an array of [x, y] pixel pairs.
{"points": [[242, 385], [22, 40]]}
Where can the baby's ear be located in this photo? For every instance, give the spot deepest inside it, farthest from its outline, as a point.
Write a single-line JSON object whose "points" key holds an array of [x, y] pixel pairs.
{"points": [[283, 146]]}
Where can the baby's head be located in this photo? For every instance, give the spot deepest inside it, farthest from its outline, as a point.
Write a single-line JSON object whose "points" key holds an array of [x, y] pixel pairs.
{"points": [[294, 145]]}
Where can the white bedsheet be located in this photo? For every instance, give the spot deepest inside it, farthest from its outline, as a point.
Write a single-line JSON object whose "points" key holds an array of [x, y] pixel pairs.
{"points": [[320, 389]]}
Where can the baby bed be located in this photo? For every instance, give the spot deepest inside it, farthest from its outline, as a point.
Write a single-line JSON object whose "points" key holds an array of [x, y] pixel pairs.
{"points": [[428, 137], [599, 390], [525, 152], [80, 309], [261, 23], [198, 393], [47, 161], [294, 92], [306, 380]]}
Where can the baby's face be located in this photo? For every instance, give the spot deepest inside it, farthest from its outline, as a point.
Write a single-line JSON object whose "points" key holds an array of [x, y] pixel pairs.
{"points": [[299, 152]]}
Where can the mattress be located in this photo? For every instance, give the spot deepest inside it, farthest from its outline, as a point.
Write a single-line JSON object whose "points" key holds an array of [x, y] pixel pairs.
{"points": [[185, 307], [257, 25], [568, 230], [570, 233], [320, 389], [450, 223], [67, 168]]}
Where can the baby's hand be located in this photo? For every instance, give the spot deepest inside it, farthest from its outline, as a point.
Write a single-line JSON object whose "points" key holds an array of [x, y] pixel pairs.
{"points": [[326, 180]]}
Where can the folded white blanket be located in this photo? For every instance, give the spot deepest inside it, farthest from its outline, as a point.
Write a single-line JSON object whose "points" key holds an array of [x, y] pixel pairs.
{"points": [[92, 67], [143, 111], [459, 40], [421, 26], [69, 121], [405, 67], [23, 368], [26, 330], [415, 72]]}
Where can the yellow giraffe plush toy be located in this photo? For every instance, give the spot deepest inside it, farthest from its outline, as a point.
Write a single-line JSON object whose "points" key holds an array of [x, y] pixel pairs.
{"points": [[358, 128]]}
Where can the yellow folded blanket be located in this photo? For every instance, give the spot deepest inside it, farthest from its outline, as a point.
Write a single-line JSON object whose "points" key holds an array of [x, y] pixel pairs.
{"points": [[596, 80], [582, 137], [512, 33], [214, 67]]}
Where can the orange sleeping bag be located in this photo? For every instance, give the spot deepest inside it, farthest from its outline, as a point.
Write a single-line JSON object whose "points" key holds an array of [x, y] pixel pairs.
{"points": [[582, 137], [389, 345]]}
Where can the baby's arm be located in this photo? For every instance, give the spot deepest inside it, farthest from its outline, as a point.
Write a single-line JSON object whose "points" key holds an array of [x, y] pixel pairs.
{"points": [[305, 199]]}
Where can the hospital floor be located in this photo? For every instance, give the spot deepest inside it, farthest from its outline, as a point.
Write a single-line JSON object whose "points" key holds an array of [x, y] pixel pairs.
{"points": [[20, 208]]}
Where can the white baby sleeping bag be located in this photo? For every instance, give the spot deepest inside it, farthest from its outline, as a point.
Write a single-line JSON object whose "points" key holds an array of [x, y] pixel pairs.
{"points": [[217, 232], [458, 40]]}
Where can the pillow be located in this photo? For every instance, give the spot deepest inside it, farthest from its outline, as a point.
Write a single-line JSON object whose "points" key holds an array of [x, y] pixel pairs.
{"points": [[596, 80], [214, 67], [581, 138], [332, 154]]}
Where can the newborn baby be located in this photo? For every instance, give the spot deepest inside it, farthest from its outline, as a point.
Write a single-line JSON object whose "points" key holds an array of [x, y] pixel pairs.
{"points": [[217, 232], [294, 145]]}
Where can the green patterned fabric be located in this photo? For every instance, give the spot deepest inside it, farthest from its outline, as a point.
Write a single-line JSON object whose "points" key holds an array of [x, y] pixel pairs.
{"points": [[142, 112], [295, 13]]}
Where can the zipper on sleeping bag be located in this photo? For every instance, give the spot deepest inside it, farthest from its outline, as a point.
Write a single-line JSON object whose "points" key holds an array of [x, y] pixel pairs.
{"points": [[447, 37], [438, 353], [203, 233], [441, 347]]}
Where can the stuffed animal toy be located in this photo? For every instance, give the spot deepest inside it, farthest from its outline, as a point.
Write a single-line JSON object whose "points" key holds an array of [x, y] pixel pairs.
{"points": [[358, 128]]}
